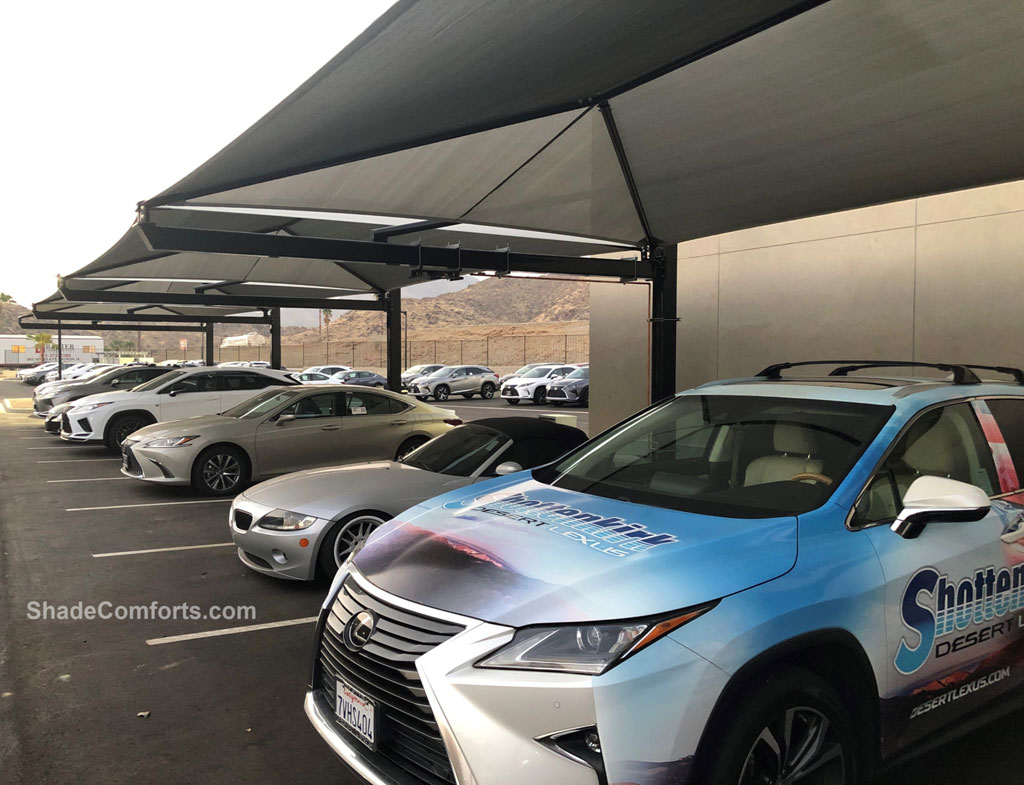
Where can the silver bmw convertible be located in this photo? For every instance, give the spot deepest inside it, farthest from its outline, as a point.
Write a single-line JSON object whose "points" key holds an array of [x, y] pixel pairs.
{"points": [[308, 523]]}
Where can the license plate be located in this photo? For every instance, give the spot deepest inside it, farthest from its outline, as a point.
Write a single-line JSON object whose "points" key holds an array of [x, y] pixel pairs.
{"points": [[356, 712]]}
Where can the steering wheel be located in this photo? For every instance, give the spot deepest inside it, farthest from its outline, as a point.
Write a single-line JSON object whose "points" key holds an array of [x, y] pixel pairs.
{"points": [[823, 479]]}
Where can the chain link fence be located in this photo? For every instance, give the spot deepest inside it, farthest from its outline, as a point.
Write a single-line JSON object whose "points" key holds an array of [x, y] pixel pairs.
{"points": [[502, 353]]}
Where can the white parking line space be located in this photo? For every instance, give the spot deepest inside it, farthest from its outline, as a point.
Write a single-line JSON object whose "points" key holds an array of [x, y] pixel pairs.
{"points": [[24, 438], [56, 447], [163, 550], [80, 460], [92, 479], [230, 631], [147, 504]]}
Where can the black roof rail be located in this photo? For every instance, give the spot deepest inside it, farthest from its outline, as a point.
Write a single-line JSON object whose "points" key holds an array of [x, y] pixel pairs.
{"points": [[1016, 373], [962, 374]]}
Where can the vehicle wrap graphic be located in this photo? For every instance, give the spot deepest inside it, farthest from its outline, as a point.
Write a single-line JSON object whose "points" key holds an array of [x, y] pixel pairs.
{"points": [[935, 607]]}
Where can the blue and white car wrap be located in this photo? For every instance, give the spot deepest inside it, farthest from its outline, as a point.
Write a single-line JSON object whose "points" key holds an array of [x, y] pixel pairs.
{"points": [[930, 628]]}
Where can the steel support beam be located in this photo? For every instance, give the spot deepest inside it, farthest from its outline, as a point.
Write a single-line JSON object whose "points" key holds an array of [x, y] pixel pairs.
{"points": [[384, 233], [96, 316], [275, 338], [433, 258], [663, 323], [60, 352], [208, 349], [393, 331], [231, 300], [87, 327]]}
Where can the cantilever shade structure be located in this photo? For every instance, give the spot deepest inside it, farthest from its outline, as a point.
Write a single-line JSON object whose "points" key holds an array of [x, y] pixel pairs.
{"points": [[639, 123]]}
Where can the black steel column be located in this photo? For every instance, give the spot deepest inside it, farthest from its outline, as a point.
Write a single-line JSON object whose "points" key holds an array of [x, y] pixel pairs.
{"points": [[393, 311], [60, 352], [275, 338], [663, 322], [208, 358]]}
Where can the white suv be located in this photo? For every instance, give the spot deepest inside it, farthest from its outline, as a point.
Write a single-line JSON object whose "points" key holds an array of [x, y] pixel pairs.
{"points": [[110, 417], [533, 385]]}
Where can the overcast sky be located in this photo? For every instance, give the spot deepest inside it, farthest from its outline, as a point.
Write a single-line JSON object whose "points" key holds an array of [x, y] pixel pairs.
{"points": [[107, 103]]}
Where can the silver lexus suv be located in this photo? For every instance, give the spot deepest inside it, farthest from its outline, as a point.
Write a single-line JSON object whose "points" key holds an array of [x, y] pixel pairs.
{"points": [[464, 380]]}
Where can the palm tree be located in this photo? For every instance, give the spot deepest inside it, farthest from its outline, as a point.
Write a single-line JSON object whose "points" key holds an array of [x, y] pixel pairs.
{"points": [[41, 340], [328, 313]]}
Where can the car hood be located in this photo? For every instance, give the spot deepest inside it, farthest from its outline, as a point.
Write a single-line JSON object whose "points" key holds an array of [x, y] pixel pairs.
{"points": [[569, 382], [487, 552], [208, 425], [324, 493], [113, 397], [429, 379]]}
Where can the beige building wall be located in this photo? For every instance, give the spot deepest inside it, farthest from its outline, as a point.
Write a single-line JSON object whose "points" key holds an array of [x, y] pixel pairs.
{"points": [[940, 278], [935, 278]]}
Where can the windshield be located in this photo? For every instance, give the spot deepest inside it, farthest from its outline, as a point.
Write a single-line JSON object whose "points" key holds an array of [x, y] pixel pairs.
{"points": [[579, 373], [261, 404], [444, 370], [726, 455], [158, 381], [536, 373], [414, 369], [460, 452]]}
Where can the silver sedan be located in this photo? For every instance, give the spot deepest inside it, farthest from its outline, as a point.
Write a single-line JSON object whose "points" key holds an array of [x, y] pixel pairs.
{"points": [[310, 522], [281, 430]]}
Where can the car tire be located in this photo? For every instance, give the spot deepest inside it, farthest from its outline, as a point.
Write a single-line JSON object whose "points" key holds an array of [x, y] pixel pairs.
{"points": [[422, 397], [122, 426], [540, 396], [512, 401], [487, 391], [585, 399], [346, 537], [409, 445], [221, 470], [776, 720], [441, 392]]}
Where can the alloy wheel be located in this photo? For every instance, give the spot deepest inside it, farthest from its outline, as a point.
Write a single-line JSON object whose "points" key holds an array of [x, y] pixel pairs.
{"points": [[221, 472], [798, 746], [126, 428], [353, 535]]}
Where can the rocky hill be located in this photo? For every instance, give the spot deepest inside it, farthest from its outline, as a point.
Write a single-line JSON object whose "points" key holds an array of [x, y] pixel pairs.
{"points": [[489, 302], [9, 313]]}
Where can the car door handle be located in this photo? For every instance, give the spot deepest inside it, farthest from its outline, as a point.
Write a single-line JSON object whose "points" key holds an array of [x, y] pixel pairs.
{"points": [[331, 428], [399, 422]]}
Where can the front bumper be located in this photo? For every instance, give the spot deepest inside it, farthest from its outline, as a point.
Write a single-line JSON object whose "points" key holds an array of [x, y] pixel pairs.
{"points": [[271, 552], [422, 390], [567, 394], [518, 393], [169, 466], [79, 427]]}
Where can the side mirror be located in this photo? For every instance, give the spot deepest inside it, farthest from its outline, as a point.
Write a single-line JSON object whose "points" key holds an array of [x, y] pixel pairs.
{"points": [[283, 418], [176, 388], [508, 467], [935, 499]]}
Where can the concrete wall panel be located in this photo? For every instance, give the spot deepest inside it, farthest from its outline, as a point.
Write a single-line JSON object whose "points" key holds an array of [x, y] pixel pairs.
{"points": [[619, 352], [970, 290], [697, 329], [847, 297]]}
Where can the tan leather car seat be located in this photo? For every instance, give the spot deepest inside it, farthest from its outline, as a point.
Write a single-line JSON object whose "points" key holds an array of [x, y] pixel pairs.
{"points": [[796, 446]]}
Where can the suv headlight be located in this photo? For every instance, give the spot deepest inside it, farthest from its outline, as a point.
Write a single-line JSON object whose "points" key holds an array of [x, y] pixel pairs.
{"points": [[588, 649], [90, 406], [172, 441], [285, 520]]}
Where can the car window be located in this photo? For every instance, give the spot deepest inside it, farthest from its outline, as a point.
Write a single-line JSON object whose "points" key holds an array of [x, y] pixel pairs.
{"points": [[396, 406], [130, 379], [759, 456], [943, 442], [367, 403], [1009, 414], [534, 452], [319, 405], [245, 381], [161, 382], [458, 452], [537, 373], [196, 383], [260, 404]]}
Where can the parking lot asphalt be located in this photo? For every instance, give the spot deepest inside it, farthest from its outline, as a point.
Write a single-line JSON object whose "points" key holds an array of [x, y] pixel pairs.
{"points": [[223, 709]]}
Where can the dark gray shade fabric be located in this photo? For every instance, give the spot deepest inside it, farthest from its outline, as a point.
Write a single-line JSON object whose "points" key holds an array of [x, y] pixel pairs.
{"points": [[56, 306], [731, 114], [436, 69]]}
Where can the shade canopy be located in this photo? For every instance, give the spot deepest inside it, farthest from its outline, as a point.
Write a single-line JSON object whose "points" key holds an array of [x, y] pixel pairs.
{"points": [[57, 306], [638, 121]]}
